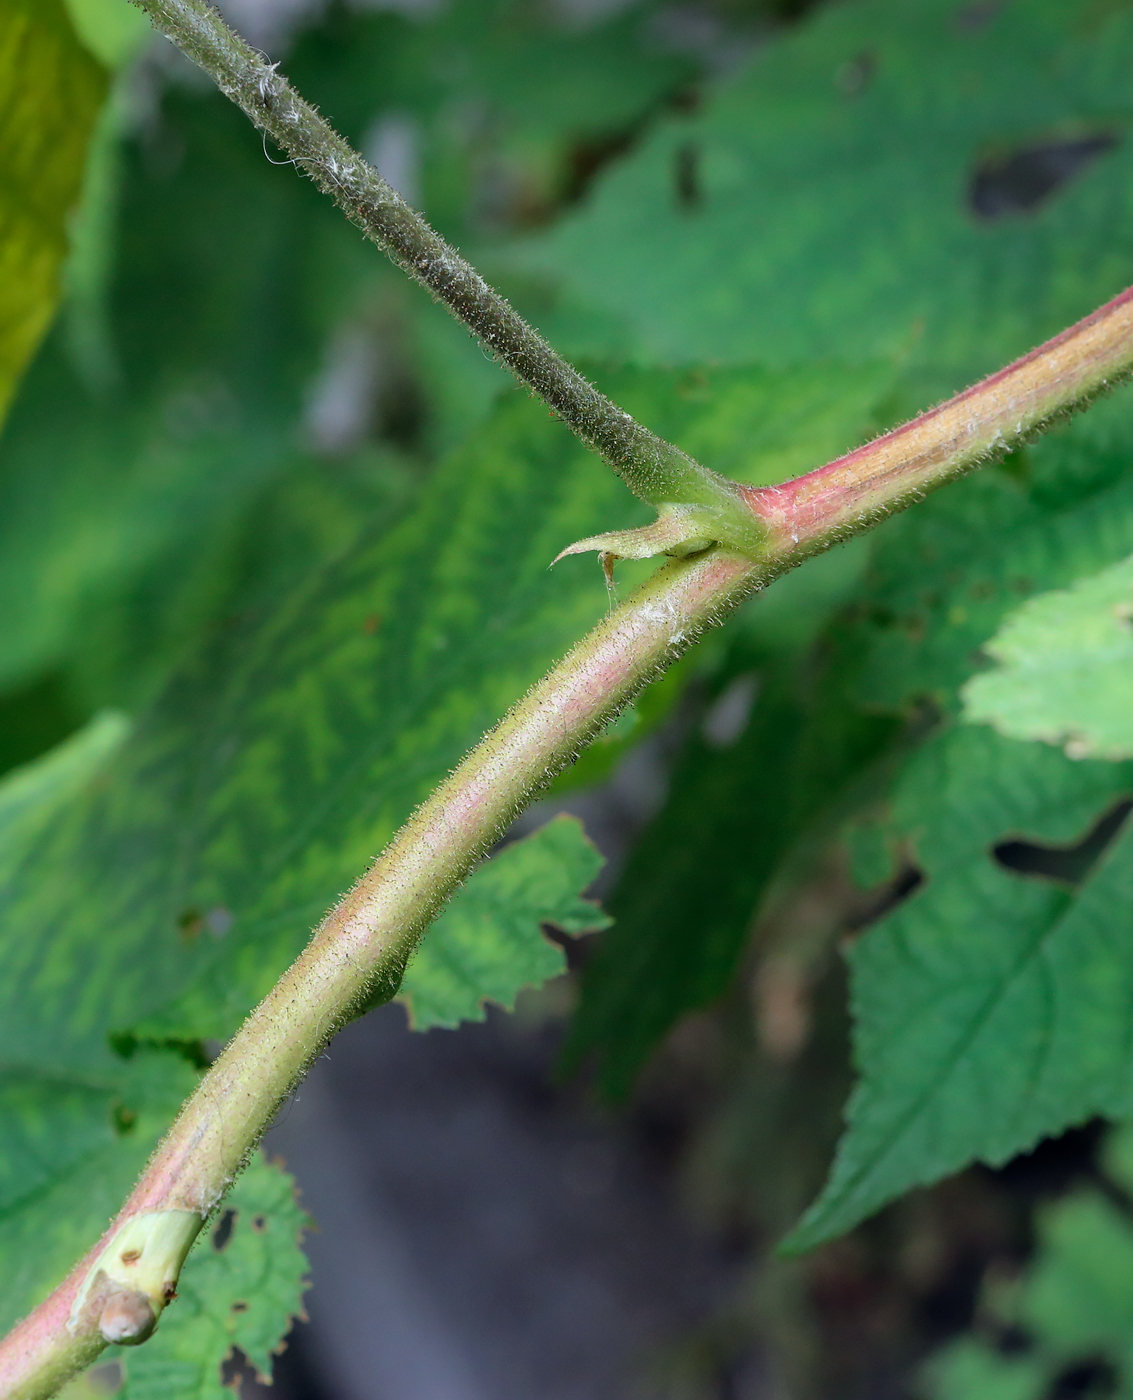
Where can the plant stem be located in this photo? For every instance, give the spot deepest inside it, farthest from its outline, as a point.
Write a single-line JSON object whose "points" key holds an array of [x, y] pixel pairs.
{"points": [[652, 468], [999, 413], [357, 954]]}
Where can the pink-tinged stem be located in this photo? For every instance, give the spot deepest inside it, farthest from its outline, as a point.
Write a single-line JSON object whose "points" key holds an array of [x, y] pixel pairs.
{"points": [[1001, 411], [359, 951]]}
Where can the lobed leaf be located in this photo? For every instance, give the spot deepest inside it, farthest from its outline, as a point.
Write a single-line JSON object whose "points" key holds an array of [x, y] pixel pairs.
{"points": [[1065, 672], [487, 944], [991, 1007], [241, 1288]]}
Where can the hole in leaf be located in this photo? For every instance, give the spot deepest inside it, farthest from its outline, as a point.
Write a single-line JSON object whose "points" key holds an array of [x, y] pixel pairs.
{"points": [[856, 75], [587, 159], [1067, 865], [124, 1119], [190, 922], [223, 1232], [883, 899], [1013, 1340], [686, 175], [1018, 183], [259, 1223], [1095, 1377]]}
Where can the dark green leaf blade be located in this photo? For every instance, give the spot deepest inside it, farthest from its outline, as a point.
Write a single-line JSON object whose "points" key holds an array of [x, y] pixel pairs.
{"points": [[992, 1007], [832, 198]]}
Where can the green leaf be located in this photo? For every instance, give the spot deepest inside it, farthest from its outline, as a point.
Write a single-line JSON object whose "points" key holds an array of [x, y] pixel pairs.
{"points": [[1065, 672], [991, 1007], [286, 750], [1075, 1302], [209, 295], [971, 1370], [113, 30], [487, 944], [183, 379], [824, 197], [74, 1145], [175, 874], [74, 1141], [241, 1287], [50, 93]]}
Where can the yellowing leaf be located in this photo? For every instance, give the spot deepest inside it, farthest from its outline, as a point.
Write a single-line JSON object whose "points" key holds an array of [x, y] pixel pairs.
{"points": [[488, 945], [50, 93]]}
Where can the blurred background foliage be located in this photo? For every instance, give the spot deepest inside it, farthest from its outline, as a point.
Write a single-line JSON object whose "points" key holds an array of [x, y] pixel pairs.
{"points": [[273, 547]]}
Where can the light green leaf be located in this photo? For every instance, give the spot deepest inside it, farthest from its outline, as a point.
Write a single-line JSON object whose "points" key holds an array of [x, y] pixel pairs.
{"points": [[74, 1146], [971, 1370], [1065, 672], [50, 93], [172, 875], [821, 201], [241, 1287], [1074, 1303], [943, 577], [487, 945], [991, 1008], [113, 30]]}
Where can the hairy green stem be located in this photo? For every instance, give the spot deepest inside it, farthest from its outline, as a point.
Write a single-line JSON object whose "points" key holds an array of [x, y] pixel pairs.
{"points": [[652, 468], [357, 954], [356, 957]]}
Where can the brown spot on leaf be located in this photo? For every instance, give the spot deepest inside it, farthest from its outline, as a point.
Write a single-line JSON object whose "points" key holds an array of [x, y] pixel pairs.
{"points": [[190, 922]]}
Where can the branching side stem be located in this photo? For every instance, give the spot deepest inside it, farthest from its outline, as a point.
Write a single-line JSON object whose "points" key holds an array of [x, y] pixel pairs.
{"points": [[652, 468], [357, 954]]}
